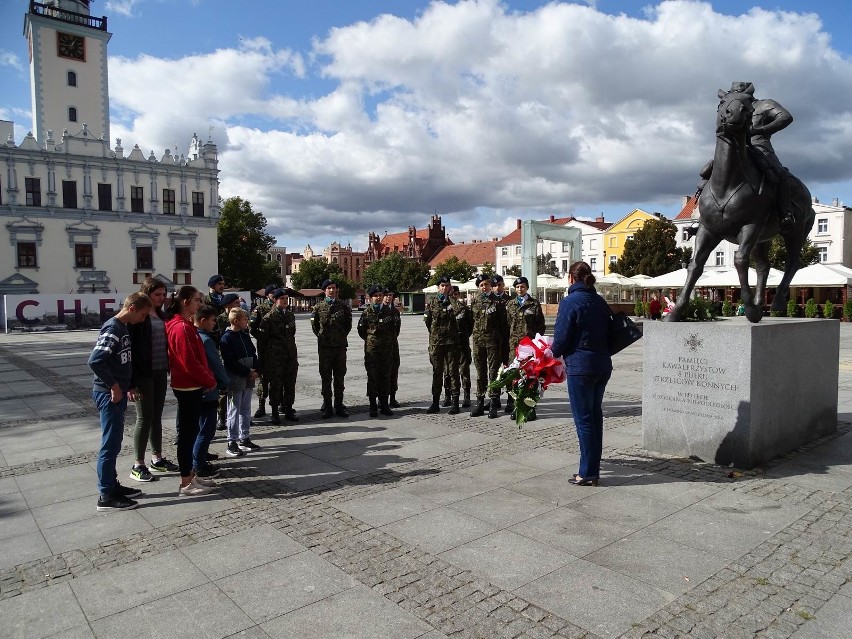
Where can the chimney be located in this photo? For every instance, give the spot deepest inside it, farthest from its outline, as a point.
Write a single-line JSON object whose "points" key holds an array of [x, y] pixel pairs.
{"points": [[519, 225], [835, 202], [600, 219], [552, 218], [684, 200]]}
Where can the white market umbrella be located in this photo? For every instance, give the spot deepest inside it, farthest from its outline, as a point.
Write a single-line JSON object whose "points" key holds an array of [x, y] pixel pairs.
{"points": [[551, 282], [822, 275], [434, 287], [675, 279], [468, 286], [616, 279], [731, 278]]}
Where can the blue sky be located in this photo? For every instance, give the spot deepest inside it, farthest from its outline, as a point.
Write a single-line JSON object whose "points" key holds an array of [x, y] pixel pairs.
{"points": [[337, 118]]}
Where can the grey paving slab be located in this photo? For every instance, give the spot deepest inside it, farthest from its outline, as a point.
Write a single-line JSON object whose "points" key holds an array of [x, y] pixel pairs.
{"points": [[120, 588], [501, 472], [553, 487], [14, 410], [662, 563], [80, 632], [59, 484], [633, 511], [42, 613], [814, 475], [240, 551], [508, 559], [89, 532], [387, 506], [465, 439], [14, 458], [65, 512], [677, 491], [13, 501], [832, 621], [204, 611], [162, 505], [754, 511], [447, 487], [277, 588], [439, 530], [545, 458], [19, 522], [23, 548], [357, 613], [502, 508], [601, 601], [8, 486], [572, 531]]}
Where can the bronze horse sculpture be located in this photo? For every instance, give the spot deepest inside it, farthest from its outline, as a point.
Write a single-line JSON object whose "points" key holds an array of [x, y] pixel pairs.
{"points": [[736, 205]]}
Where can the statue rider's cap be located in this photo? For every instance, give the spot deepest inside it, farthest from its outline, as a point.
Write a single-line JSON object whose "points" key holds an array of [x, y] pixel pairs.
{"points": [[742, 87]]}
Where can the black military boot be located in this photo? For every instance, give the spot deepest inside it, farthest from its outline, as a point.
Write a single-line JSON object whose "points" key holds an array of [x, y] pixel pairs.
{"points": [[479, 411], [510, 404], [393, 403], [496, 401], [494, 408], [466, 401], [327, 410], [384, 409], [340, 409], [434, 407], [454, 409], [290, 414], [447, 401], [276, 418], [261, 410], [374, 409], [532, 416]]}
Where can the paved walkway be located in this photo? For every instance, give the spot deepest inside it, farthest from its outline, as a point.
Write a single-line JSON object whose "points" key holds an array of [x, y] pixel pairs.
{"points": [[413, 526]]}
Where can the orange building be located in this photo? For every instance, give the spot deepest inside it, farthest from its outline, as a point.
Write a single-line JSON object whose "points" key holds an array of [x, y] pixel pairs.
{"points": [[420, 245]]}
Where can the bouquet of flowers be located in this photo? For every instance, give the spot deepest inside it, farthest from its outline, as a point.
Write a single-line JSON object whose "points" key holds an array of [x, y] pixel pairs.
{"points": [[529, 374]]}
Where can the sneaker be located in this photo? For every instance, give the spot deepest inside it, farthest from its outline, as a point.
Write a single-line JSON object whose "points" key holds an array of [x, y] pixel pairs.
{"points": [[141, 473], [207, 472], [115, 502], [212, 456], [207, 482], [163, 465], [233, 450], [125, 491], [247, 445], [194, 489]]}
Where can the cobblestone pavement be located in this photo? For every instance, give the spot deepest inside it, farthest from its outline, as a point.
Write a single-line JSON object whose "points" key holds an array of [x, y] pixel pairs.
{"points": [[416, 525]]}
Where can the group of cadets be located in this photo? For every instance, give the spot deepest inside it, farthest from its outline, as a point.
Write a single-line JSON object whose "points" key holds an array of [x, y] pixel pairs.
{"points": [[496, 323]]}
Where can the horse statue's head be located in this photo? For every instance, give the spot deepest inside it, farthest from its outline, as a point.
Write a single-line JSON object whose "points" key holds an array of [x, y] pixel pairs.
{"points": [[736, 107]]}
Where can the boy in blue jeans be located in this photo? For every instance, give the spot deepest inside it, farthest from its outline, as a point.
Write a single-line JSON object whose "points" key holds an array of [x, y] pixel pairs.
{"points": [[110, 361]]}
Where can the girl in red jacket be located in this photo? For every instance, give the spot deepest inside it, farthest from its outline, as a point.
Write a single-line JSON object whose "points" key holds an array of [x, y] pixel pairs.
{"points": [[190, 379]]}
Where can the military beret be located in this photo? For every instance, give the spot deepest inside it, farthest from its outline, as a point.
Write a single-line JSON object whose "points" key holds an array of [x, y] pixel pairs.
{"points": [[214, 279], [521, 280], [496, 278], [482, 278], [279, 292], [374, 290], [326, 283], [227, 298], [444, 279], [455, 289], [387, 291]]}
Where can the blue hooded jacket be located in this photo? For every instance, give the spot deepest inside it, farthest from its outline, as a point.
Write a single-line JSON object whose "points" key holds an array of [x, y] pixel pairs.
{"points": [[581, 334]]}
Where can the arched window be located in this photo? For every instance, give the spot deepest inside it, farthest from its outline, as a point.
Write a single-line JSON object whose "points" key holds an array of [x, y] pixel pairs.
{"points": [[72, 114], [72, 79]]}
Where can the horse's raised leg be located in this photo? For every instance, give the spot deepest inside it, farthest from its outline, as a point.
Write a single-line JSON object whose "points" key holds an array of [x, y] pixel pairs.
{"points": [[761, 265], [705, 242], [747, 241]]}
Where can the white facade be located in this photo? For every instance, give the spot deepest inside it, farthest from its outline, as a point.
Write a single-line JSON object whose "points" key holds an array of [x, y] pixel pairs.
{"points": [[78, 215]]}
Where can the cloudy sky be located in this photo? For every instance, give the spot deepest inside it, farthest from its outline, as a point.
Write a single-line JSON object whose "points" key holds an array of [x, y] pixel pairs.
{"points": [[340, 118]]}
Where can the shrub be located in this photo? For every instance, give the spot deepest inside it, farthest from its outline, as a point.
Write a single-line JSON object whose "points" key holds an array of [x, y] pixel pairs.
{"points": [[727, 309], [811, 308], [639, 309], [699, 310], [847, 310], [792, 308], [828, 310]]}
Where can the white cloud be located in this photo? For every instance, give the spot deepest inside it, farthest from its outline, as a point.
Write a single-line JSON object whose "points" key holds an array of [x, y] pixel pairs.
{"points": [[9, 59], [123, 7], [487, 114]]}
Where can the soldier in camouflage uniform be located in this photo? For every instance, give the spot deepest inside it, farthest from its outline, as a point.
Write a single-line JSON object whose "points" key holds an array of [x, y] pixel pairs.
{"points": [[465, 325], [281, 364], [377, 327], [331, 322], [442, 317], [264, 305], [486, 346], [525, 320], [502, 302], [390, 302]]}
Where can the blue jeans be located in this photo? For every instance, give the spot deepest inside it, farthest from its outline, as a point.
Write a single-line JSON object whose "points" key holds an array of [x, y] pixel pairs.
{"points": [[206, 432], [112, 432], [188, 413], [585, 393]]}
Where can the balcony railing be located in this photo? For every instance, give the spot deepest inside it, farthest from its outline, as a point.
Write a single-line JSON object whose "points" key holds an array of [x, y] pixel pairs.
{"points": [[71, 17]]}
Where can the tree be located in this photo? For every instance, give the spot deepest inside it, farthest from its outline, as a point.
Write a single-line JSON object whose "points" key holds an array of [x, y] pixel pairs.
{"points": [[652, 251], [514, 270], [314, 271], [487, 269], [455, 269], [545, 265], [778, 253], [243, 245], [397, 273]]}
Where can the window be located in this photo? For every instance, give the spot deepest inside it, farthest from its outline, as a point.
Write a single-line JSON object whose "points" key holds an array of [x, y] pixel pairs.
{"points": [[27, 255], [720, 258], [613, 259], [105, 197], [566, 246], [144, 257], [197, 204], [169, 201], [823, 254], [593, 263], [613, 242], [552, 248], [822, 225], [183, 258], [84, 256], [72, 79], [517, 250], [33, 188], [72, 114], [278, 257], [564, 266], [592, 244], [505, 268], [69, 194], [629, 237], [136, 205], [685, 237], [504, 251]]}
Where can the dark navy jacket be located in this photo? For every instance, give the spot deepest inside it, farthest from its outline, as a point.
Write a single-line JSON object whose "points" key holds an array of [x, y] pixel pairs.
{"points": [[581, 333]]}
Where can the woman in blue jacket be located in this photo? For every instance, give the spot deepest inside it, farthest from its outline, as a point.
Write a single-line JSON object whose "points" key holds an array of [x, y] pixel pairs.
{"points": [[581, 336]]}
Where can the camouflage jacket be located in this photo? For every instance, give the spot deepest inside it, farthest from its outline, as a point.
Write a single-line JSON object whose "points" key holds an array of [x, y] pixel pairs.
{"points": [[442, 320], [465, 324], [260, 310], [277, 335], [377, 328], [486, 320], [216, 302], [525, 320], [503, 300], [331, 324], [397, 321]]}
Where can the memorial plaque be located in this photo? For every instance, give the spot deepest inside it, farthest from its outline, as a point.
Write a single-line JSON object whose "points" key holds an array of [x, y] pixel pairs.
{"points": [[733, 392]]}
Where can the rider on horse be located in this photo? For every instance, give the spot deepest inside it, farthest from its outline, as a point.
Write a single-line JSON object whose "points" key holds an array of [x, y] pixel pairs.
{"points": [[769, 117]]}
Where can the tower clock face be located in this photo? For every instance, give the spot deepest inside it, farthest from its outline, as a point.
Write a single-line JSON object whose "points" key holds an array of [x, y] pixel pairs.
{"points": [[71, 46]]}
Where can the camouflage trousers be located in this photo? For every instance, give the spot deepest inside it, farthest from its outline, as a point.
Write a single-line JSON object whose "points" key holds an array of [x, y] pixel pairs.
{"points": [[281, 377], [332, 370], [379, 374], [395, 368], [464, 372], [445, 361], [486, 359]]}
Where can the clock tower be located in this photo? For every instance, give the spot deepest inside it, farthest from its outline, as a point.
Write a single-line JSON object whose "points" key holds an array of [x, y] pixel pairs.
{"points": [[68, 68]]}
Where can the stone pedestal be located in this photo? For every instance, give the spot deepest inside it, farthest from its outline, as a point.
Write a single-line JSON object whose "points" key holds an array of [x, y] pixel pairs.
{"points": [[733, 392]]}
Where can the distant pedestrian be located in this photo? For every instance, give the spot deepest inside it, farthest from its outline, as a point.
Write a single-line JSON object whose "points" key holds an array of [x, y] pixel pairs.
{"points": [[377, 328], [216, 286], [331, 322], [655, 308], [111, 363]]}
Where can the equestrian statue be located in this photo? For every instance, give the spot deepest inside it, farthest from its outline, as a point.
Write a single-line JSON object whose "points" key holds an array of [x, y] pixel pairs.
{"points": [[747, 197]]}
